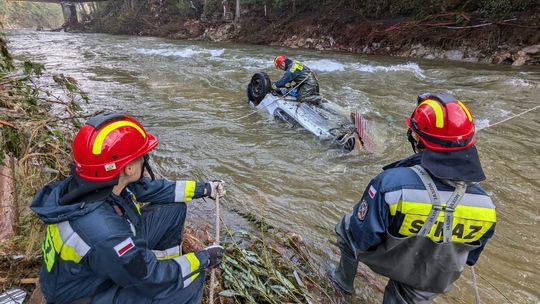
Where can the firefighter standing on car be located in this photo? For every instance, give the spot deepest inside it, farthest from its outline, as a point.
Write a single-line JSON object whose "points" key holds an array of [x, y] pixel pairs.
{"points": [[422, 219], [299, 74], [100, 245]]}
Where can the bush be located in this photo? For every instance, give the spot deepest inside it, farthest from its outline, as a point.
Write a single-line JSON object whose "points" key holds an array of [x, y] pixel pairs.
{"points": [[505, 8]]}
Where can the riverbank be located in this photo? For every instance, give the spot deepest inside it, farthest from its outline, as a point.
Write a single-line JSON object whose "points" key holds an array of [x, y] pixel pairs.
{"points": [[468, 36]]}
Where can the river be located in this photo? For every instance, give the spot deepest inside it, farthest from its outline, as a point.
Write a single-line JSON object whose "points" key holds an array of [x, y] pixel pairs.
{"points": [[192, 96]]}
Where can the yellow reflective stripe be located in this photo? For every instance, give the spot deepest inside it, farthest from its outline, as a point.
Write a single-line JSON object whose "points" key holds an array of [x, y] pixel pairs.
{"points": [[194, 264], [98, 143], [297, 66], [136, 203], [463, 230], [189, 193], [189, 263], [462, 211], [466, 110], [49, 252], [393, 209], [439, 116], [67, 252]]}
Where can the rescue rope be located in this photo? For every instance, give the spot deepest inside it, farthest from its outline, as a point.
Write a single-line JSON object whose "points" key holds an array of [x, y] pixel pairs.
{"points": [[475, 286], [511, 117], [497, 289], [216, 242], [284, 95], [491, 125]]}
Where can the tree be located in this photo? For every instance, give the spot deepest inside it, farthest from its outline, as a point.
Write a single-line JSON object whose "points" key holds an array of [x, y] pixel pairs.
{"points": [[237, 15]]}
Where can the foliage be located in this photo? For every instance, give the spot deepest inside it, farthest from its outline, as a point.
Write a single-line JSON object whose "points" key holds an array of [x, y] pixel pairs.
{"points": [[213, 8], [504, 8], [272, 266], [30, 15], [189, 8], [153, 16], [38, 118], [6, 62]]}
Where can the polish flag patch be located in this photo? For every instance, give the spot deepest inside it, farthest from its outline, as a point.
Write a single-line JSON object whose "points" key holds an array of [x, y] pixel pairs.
{"points": [[124, 247], [372, 191]]}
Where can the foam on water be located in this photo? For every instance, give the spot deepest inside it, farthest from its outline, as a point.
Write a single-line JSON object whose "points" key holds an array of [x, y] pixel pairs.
{"points": [[505, 113], [216, 53], [407, 67], [518, 82], [183, 53], [480, 124], [325, 65]]}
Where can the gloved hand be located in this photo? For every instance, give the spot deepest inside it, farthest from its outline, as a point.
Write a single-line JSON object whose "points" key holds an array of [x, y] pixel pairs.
{"points": [[215, 188], [215, 252], [283, 91], [274, 87]]}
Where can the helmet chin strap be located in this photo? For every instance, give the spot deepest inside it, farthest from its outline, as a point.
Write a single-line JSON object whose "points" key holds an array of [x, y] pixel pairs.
{"points": [[411, 139], [146, 165], [415, 144]]}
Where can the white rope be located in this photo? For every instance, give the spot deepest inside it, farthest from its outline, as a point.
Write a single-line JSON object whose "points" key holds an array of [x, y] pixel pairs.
{"points": [[284, 95], [507, 119], [491, 125], [216, 242], [475, 286]]}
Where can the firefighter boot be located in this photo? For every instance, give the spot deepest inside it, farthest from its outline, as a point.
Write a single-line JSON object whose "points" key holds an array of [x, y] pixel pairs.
{"points": [[344, 274]]}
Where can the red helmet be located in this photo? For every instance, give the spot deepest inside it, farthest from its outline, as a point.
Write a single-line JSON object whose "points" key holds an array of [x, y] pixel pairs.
{"points": [[279, 61], [442, 123], [107, 143]]}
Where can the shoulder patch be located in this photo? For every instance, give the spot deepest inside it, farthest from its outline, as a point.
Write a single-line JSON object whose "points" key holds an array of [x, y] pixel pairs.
{"points": [[362, 210], [124, 246], [372, 191]]}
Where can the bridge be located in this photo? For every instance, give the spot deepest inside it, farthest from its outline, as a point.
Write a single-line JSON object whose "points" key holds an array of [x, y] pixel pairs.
{"points": [[69, 9]]}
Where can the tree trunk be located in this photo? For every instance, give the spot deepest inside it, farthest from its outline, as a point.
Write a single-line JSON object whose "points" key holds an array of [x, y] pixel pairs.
{"points": [[9, 213], [225, 8], [237, 15]]}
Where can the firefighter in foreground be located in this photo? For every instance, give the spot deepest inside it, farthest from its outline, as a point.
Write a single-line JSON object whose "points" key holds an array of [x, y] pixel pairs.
{"points": [[101, 245], [423, 218], [297, 74]]}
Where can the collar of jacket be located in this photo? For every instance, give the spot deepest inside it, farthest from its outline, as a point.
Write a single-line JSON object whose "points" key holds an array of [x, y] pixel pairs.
{"points": [[410, 161]]}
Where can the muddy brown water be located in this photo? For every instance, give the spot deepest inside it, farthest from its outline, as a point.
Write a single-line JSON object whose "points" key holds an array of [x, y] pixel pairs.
{"points": [[192, 94]]}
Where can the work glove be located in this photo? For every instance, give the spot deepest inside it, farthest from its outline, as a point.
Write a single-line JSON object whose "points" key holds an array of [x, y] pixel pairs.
{"points": [[274, 87], [215, 253], [215, 188]]}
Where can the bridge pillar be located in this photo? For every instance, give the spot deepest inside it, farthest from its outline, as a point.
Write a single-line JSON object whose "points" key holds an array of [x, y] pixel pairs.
{"points": [[70, 14]]}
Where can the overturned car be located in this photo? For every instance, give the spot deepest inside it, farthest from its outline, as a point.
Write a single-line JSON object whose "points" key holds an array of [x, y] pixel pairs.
{"points": [[326, 120]]}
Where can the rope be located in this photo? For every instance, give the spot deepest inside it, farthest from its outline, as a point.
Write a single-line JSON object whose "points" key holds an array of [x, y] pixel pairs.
{"points": [[475, 286], [517, 115], [491, 125], [216, 242], [497, 289], [284, 95]]}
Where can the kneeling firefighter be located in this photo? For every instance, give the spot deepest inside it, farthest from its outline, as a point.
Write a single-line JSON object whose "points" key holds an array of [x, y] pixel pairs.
{"points": [[424, 217], [101, 245]]}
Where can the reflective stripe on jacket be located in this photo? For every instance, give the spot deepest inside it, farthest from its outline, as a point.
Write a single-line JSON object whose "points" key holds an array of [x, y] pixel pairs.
{"points": [[89, 247], [396, 201], [296, 72]]}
